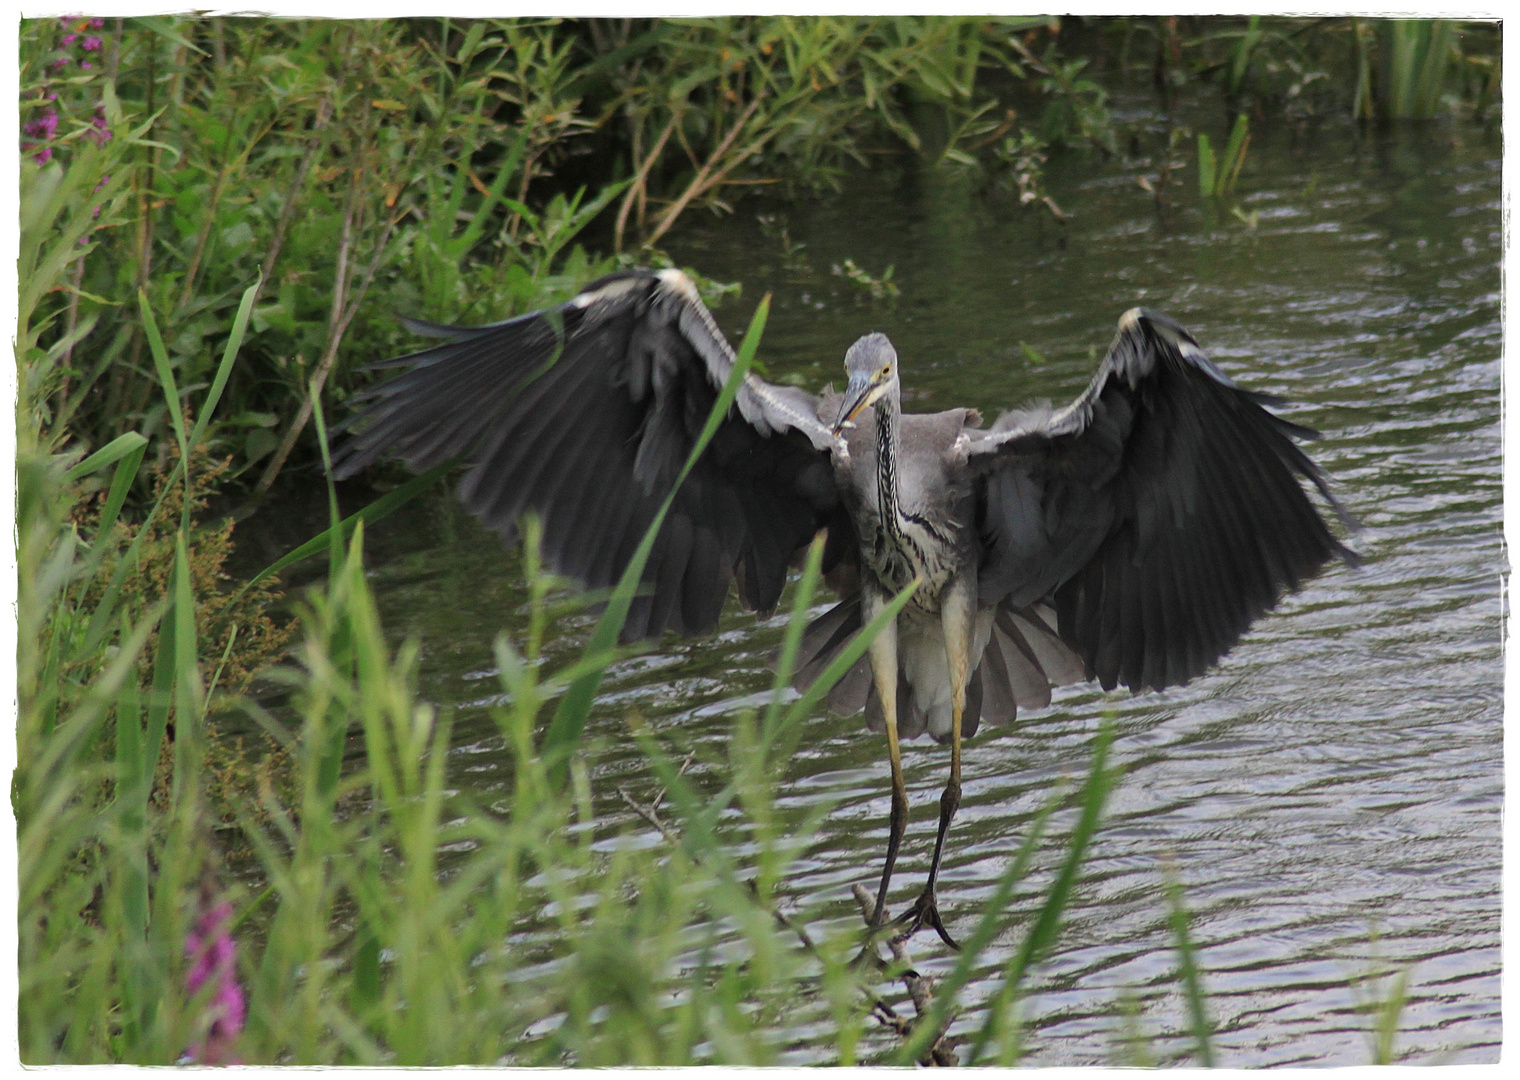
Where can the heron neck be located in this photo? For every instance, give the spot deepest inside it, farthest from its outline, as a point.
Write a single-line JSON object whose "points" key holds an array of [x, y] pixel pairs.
{"points": [[888, 443]]}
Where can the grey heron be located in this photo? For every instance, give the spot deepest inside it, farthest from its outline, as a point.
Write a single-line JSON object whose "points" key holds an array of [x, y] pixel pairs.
{"points": [[1130, 537]]}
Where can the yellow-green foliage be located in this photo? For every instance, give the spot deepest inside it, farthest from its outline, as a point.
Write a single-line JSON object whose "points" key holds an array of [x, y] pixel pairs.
{"points": [[238, 633]]}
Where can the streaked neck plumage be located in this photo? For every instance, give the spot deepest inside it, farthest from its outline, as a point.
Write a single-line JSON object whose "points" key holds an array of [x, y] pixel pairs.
{"points": [[888, 412]]}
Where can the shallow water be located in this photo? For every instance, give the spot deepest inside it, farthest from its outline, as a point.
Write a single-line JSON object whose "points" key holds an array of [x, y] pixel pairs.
{"points": [[1330, 794]]}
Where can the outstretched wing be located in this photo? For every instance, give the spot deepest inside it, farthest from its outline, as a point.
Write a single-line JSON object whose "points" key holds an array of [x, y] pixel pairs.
{"points": [[585, 413], [1162, 510]]}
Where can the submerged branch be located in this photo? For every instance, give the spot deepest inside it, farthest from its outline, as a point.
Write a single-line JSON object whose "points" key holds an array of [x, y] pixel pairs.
{"points": [[920, 989]]}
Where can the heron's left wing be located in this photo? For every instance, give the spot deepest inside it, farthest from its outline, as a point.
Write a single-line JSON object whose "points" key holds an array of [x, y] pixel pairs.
{"points": [[1161, 511], [584, 414]]}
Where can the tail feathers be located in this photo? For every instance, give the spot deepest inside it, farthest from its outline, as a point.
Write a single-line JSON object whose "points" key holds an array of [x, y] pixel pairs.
{"points": [[823, 639], [851, 693], [1036, 626], [1023, 659]]}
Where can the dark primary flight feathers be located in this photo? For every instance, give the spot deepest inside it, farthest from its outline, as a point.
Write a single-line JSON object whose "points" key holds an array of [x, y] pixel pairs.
{"points": [[1160, 513]]}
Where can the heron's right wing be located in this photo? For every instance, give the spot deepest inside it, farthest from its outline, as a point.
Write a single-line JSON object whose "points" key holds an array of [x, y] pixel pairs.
{"points": [[1161, 511], [585, 413]]}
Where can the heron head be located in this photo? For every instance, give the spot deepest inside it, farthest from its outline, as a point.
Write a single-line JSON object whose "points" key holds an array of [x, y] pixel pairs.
{"points": [[871, 364]]}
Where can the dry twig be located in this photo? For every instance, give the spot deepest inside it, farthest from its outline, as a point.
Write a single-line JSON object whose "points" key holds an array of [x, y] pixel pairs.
{"points": [[637, 191], [920, 991], [709, 175]]}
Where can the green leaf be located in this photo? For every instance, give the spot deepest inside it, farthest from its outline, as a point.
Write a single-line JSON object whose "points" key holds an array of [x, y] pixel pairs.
{"points": [[1192, 985], [165, 376], [1234, 155], [1206, 167], [229, 354], [108, 454], [121, 483]]}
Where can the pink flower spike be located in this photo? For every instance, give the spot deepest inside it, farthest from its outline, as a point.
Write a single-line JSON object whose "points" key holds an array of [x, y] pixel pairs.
{"points": [[96, 24], [45, 155], [212, 955], [91, 44], [68, 39], [85, 64]]}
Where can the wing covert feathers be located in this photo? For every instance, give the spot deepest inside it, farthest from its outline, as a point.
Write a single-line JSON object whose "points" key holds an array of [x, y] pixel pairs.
{"points": [[584, 415]]}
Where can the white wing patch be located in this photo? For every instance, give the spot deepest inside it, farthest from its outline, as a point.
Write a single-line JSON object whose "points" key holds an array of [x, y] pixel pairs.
{"points": [[756, 395], [610, 291]]}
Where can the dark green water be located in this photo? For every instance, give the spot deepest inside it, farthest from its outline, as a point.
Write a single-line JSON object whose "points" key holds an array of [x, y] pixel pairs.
{"points": [[1330, 795]]}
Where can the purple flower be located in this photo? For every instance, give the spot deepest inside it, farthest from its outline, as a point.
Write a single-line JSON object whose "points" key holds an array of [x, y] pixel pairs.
{"points": [[102, 133], [213, 960], [85, 64], [62, 61], [44, 126], [91, 44], [96, 24], [44, 155], [68, 39]]}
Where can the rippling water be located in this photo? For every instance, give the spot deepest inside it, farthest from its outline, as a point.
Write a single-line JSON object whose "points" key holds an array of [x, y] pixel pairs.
{"points": [[1330, 795]]}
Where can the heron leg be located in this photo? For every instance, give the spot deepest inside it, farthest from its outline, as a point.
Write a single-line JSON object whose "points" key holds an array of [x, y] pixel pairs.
{"points": [[957, 611], [883, 654]]}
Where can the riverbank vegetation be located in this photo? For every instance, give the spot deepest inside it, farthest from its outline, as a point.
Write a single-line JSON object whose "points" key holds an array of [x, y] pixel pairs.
{"points": [[220, 219]]}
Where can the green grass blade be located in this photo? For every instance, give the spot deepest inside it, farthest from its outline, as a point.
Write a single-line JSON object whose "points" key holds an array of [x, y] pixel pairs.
{"points": [[570, 715], [121, 483], [100, 621], [129, 750], [1389, 1013], [165, 378], [1234, 155], [792, 641], [108, 454], [335, 547], [1192, 984], [160, 698], [229, 354], [1206, 167], [1432, 74], [189, 691], [171, 396], [615, 59]]}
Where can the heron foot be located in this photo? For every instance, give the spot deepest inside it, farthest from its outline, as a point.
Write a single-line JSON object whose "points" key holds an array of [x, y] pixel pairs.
{"points": [[924, 912]]}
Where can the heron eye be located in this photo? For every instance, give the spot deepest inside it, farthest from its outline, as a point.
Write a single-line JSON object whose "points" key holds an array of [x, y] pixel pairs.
{"points": [[886, 371]]}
